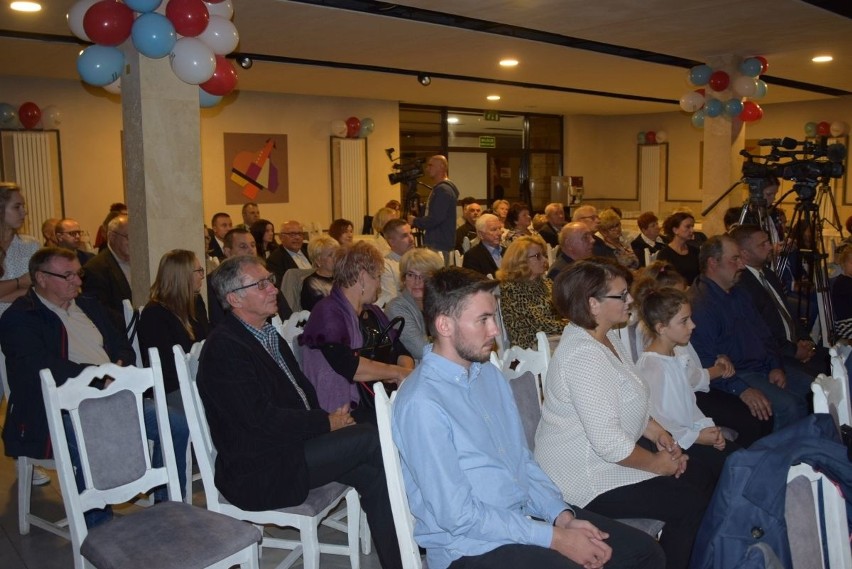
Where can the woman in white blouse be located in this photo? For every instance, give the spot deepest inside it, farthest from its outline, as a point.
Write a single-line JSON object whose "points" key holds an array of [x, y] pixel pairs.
{"points": [[596, 438], [15, 249]]}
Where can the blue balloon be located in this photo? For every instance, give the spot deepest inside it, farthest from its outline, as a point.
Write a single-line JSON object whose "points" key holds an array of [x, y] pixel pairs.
{"points": [[640, 137], [698, 118], [143, 5], [206, 100], [700, 75], [153, 35], [751, 67], [760, 92], [810, 129], [713, 107], [9, 115], [100, 65], [733, 107]]}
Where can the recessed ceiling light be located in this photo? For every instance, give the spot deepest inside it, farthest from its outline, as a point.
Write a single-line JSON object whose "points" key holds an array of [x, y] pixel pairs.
{"points": [[25, 6], [453, 120], [493, 97], [508, 62], [822, 59]]}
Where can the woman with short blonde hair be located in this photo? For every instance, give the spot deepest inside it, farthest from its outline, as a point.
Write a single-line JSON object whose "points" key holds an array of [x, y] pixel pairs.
{"points": [[415, 266], [316, 286]]}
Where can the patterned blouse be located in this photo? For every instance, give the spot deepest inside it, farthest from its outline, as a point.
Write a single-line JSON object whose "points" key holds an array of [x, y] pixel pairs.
{"points": [[527, 307], [17, 260]]}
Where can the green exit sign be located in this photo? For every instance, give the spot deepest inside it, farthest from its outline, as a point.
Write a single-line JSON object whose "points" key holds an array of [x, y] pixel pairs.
{"points": [[487, 142], [492, 116]]}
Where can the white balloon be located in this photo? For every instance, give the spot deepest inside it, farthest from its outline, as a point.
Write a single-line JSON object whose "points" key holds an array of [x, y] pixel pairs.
{"points": [[224, 9], [75, 18], [745, 86], [338, 128], [691, 101], [839, 128], [662, 136], [221, 35], [192, 61], [114, 87], [51, 116]]}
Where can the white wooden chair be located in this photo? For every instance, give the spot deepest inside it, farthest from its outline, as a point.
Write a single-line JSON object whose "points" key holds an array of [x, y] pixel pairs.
{"points": [[291, 329], [402, 518], [830, 397], [131, 323], [517, 361], [109, 427], [813, 505], [502, 339], [24, 471], [839, 354], [305, 518]]}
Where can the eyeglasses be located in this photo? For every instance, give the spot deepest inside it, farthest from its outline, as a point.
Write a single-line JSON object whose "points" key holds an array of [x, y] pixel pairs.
{"points": [[536, 256], [71, 233], [261, 284], [622, 297], [199, 270], [65, 276], [416, 277], [292, 234]]}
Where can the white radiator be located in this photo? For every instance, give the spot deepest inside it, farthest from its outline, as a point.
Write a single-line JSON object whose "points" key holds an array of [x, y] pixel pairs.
{"points": [[31, 159], [349, 179], [652, 175]]}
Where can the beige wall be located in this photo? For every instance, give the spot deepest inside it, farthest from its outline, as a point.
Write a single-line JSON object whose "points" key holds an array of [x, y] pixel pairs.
{"points": [[91, 147]]}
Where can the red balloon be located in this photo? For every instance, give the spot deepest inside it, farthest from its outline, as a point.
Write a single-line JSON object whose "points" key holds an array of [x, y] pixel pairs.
{"points": [[823, 129], [701, 92], [108, 22], [30, 114], [751, 112], [353, 125], [224, 78], [190, 17], [719, 81], [650, 137], [763, 63]]}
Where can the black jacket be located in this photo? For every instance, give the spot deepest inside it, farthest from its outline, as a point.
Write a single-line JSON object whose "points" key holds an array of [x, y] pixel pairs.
{"points": [[479, 259]]}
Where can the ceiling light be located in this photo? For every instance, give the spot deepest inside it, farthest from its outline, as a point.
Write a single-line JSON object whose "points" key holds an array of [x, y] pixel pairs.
{"points": [[452, 120], [424, 79], [822, 59], [493, 97], [508, 62], [25, 6]]}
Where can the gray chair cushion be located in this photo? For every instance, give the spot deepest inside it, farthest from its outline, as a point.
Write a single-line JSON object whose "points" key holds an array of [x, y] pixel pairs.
{"points": [[802, 525], [169, 535], [526, 398], [318, 499], [651, 527]]}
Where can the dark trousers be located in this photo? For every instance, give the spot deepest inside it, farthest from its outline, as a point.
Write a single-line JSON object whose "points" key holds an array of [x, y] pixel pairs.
{"points": [[728, 410], [631, 548], [679, 502], [353, 456]]}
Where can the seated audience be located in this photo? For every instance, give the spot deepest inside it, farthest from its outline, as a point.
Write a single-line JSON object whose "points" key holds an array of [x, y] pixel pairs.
{"points": [[731, 218], [478, 498], [107, 276], [293, 252], [115, 210], [610, 233], [517, 223], [728, 323], [220, 225], [679, 229], [175, 314], [415, 267], [263, 232], [342, 230], [486, 256], [588, 214], [251, 214], [841, 293], [345, 326], [381, 218], [48, 231], [470, 213], [274, 442], [648, 238], [555, 215], [68, 234], [317, 285], [596, 438], [526, 295], [500, 208], [15, 248], [400, 240], [575, 244]]}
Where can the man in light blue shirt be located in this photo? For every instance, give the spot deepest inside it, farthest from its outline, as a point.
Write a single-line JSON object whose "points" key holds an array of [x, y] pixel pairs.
{"points": [[479, 498]]}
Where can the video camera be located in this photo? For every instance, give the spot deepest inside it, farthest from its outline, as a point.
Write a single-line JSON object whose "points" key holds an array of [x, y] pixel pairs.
{"points": [[406, 170], [815, 162]]}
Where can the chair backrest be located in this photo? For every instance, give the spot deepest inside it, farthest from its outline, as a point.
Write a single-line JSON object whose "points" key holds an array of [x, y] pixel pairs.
{"points": [[814, 505], [502, 339], [543, 342], [829, 398], [199, 431], [109, 427], [839, 355], [131, 321], [291, 286], [528, 399], [4, 377], [517, 361], [403, 520]]}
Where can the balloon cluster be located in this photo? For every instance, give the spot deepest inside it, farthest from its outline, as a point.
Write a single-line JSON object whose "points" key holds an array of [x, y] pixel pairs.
{"points": [[652, 137], [353, 127], [745, 86], [29, 116], [825, 128], [195, 35]]}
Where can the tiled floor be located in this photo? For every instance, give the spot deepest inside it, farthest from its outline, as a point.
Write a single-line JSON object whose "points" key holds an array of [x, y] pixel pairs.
{"points": [[42, 550]]}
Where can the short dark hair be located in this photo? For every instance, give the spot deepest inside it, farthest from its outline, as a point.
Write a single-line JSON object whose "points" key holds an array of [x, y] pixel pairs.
{"points": [[646, 219], [731, 217], [464, 202], [514, 213], [712, 249], [229, 236], [742, 233], [46, 254], [674, 220], [229, 275], [664, 274], [217, 216], [581, 281], [393, 225], [448, 290], [247, 204], [338, 227]]}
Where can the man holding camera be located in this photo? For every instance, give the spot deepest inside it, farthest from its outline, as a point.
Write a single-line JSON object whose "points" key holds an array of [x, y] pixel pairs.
{"points": [[439, 223]]}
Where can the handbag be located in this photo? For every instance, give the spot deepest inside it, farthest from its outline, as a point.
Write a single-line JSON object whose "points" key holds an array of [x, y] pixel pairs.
{"points": [[378, 346]]}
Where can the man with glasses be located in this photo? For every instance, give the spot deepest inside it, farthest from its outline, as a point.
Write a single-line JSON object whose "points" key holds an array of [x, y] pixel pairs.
{"points": [[108, 273], [274, 442], [293, 253], [588, 214], [70, 236]]}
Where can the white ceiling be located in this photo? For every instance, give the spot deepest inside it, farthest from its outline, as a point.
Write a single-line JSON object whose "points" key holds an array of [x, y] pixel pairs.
{"points": [[787, 32]]}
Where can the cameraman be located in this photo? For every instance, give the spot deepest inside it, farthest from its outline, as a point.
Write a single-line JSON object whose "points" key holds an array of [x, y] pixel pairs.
{"points": [[440, 219]]}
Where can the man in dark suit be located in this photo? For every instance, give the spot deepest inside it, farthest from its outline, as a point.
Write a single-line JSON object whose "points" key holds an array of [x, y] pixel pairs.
{"points": [[69, 235], [555, 214], [220, 225], [107, 274], [470, 213], [485, 257], [764, 287], [575, 244], [239, 242], [274, 441], [293, 253]]}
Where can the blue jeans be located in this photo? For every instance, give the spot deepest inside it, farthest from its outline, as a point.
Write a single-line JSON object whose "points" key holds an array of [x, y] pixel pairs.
{"points": [[788, 404], [180, 438]]}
